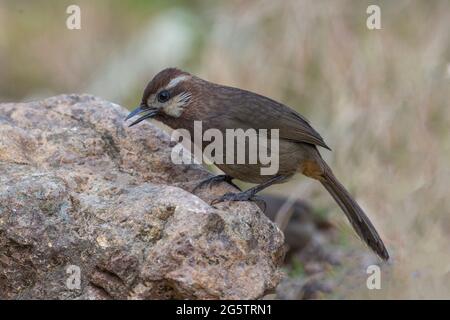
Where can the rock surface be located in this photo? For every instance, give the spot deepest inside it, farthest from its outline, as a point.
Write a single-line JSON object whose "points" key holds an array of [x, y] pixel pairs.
{"points": [[79, 189]]}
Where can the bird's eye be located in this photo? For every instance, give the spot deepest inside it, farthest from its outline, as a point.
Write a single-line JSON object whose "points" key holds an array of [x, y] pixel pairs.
{"points": [[163, 96]]}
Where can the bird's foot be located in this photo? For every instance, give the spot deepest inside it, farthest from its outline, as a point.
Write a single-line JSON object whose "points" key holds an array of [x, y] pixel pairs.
{"points": [[215, 179], [240, 196], [250, 194]]}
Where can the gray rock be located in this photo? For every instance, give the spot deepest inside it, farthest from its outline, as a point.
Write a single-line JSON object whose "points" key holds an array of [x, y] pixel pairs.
{"points": [[79, 189]]}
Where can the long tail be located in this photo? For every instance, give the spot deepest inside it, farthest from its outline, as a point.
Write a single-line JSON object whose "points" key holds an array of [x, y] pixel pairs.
{"points": [[354, 213]]}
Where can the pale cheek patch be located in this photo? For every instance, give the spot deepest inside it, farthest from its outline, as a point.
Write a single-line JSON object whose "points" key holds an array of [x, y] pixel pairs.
{"points": [[176, 106], [173, 110]]}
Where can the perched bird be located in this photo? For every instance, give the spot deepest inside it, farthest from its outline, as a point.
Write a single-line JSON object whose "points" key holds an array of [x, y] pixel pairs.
{"points": [[178, 98]]}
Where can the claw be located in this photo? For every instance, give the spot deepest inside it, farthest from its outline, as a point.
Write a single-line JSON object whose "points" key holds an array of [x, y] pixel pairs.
{"points": [[249, 195], [261, 203], [219, 178], [227, 197], [241, 196]]}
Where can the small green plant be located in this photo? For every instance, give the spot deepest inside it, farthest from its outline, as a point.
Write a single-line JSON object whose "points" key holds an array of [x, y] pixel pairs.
{"points": [[297, 269]]}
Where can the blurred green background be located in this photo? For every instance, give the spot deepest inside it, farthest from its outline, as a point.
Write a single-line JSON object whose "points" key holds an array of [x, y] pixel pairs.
{"points": [[380, 98]]}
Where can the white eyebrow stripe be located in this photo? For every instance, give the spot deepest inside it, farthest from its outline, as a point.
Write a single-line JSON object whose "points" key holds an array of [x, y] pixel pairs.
{"points": [[177, 80]]}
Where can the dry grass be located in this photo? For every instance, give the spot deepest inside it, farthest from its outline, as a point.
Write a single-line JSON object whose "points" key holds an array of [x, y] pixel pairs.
{"points": [[381, 100]]}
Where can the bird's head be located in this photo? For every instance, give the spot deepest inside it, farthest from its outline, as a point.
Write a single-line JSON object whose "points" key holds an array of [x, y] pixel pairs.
{"points": [[167, 94]]}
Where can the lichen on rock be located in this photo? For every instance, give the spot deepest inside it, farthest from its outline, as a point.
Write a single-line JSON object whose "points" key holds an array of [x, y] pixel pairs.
{"points": [[80, 188]]}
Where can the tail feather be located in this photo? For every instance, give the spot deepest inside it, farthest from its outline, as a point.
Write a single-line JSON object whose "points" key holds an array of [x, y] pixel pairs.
{"points": [[355, 214]]}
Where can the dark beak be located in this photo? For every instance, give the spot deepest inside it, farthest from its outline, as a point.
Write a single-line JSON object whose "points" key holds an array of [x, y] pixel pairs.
{"points": [[144, 112]]}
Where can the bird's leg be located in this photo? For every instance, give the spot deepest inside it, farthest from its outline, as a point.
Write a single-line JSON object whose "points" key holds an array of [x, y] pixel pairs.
{"points": [[250, 193], [215, 179]]}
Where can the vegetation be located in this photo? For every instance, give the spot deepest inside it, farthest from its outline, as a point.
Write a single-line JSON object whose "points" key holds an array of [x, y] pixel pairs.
{"points": [[380, 98]]}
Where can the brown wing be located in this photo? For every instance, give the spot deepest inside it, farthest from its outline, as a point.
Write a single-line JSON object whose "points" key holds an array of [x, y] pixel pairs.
{"points": [[250, 110]]}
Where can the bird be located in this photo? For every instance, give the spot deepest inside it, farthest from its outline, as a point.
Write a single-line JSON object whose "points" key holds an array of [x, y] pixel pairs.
{"points": [[178, 98]]}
